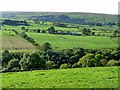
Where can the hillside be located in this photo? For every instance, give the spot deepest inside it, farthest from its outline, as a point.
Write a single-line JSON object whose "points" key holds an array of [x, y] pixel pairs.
{"points": [[78, 17]]}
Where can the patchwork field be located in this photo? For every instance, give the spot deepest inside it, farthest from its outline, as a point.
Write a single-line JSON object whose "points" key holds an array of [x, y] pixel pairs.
{"points": [[11, 41], [97, 77]]}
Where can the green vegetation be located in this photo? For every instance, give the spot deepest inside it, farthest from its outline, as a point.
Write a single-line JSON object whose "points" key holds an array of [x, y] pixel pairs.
{"points": [[99, 77], [66, 41], [59, 50]]}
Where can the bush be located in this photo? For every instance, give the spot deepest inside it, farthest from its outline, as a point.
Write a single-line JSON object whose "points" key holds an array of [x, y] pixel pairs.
{"points": [[13, 63], [64, 66], [50, 64], [75, 65], [84, 61], [103, 62], [112, 63]]}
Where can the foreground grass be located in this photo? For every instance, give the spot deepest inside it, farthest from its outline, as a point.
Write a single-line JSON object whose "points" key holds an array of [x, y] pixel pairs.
{"points": [[98, 77]]}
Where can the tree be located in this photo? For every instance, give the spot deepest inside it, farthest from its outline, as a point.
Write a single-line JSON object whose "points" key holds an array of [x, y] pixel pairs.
{"points": [[64, 66], [38, 30], [13, 63], [46, 46], [103, 62], [51, 30], [84, 61], [93, 33], [112, 63], [115, 33], [98, 57], [32, 61], [6, 57], [23, 28], [50, 64], [86, 31]]}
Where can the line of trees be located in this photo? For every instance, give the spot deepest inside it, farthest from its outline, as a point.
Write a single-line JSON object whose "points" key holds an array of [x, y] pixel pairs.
{"points": [[51, 30], [47, 58], [15, 22]]}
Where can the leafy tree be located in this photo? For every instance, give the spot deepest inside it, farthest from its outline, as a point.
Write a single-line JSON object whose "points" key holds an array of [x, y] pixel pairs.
{"points": [[64, 66], [93, 33], [38, 30], [68, 52], [84, 61], [13, 63], [24, 61], [50, 64], [32, 61], [98, 57], [75, 65], [6, 57], [51, 29], [115, 33], [103, 62], [112, 63], [86, 31], [23, 28], [91, 63], [46, 46]]}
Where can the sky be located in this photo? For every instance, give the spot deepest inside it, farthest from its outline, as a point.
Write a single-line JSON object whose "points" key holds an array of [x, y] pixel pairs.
{"points": [[92, 6]]}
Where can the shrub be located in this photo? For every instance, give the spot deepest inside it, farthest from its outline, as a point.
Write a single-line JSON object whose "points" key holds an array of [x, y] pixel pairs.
{"points": [[112, 63], [103, 62], [84, 61], [13, 63], [98, 57], [64, 66], [50, 64], [75, 65]]}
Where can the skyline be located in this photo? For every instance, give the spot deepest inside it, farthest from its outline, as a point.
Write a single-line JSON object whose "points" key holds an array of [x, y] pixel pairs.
{"points": [[91, 6]]}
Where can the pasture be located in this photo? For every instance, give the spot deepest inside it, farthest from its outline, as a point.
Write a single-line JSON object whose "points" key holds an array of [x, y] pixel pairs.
{"points": [[97, 77], [68, 41]]}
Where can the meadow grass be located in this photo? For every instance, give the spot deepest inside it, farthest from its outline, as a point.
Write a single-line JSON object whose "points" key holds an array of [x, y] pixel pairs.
{"points": [[97, 77], [68, 41]]}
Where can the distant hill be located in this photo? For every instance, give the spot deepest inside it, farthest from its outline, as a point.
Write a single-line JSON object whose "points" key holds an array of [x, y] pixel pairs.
{"points": [[68, 17]]}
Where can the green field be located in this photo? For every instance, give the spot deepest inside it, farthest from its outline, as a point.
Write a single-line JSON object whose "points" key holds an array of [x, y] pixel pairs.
{"points": [[17, 37], [99, 77], [68, 41]]}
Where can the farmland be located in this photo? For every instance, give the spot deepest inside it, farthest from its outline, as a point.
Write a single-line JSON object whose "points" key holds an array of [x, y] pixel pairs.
{"points": [[99, 77], [60, 42], [59, 50], [67, 41], [11, 41]]}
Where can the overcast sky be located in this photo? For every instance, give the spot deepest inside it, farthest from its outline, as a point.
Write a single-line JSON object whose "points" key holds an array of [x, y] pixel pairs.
{"points": [[93, 6]]}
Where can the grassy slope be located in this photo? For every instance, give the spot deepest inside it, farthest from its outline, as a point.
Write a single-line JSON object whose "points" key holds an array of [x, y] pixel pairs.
{"points": [[88, 17], [11, 41], [68, 41], [98, 77]]}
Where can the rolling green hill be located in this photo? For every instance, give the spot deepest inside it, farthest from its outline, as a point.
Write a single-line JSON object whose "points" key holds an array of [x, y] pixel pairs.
{"points": [[76, 17]]}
